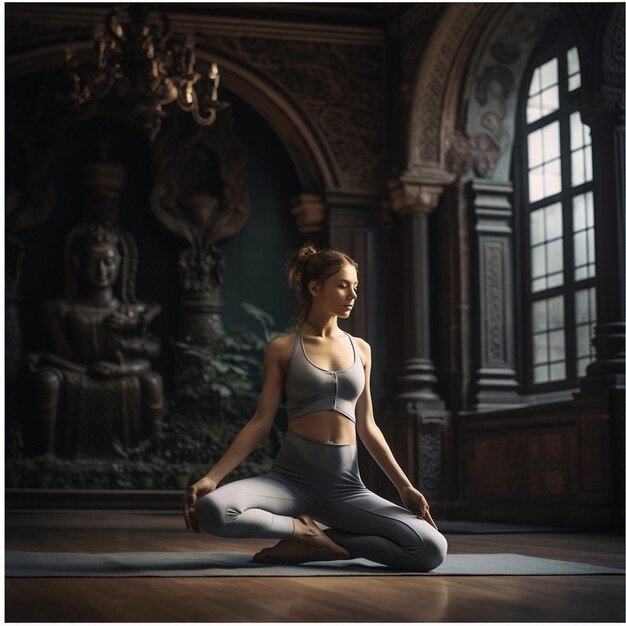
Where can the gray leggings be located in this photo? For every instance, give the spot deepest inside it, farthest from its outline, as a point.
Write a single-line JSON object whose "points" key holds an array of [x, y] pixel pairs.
{"points": [[322, 480]]}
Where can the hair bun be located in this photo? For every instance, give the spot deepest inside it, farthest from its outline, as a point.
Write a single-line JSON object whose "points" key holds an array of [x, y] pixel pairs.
{"points": [[308, 250]]}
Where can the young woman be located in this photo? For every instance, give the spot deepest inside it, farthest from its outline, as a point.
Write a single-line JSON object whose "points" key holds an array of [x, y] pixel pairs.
{"points": [[325, 373]]}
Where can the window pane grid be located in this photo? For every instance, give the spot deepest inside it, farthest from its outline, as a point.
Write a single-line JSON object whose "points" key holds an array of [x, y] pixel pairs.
{"points": [[584, 237], [580, 144], [543, 95], [544, 162], [573, 69], [585, 307], [546, 247], [548, 340], [561, 242]]}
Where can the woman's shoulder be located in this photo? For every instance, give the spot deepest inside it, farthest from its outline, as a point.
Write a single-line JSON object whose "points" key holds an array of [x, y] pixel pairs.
{"points": [[280, 348], [363, 347], [361, 342], [282, 344]]}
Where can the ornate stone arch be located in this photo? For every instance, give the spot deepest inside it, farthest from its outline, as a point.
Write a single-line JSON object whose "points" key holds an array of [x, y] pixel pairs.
{"points": [[310, 153], [429, 119], [465, 92], [304, 142], [483, 139]]}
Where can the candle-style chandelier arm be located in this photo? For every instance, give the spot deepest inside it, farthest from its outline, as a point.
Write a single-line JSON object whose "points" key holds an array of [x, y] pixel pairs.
{"points": [[136, 62]]}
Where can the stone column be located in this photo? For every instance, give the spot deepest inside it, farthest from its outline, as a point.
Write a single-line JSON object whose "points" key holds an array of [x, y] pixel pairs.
{"points": [[602, 388], [495, 381], [417, 418], [415, 379], [604, 114]]}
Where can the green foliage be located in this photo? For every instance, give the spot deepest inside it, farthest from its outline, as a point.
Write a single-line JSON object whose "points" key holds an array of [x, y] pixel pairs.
{"points": [[223, 379]]}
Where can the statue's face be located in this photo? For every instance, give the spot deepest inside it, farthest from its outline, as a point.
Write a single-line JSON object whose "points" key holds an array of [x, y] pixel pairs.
{"points": [[100, 266]]}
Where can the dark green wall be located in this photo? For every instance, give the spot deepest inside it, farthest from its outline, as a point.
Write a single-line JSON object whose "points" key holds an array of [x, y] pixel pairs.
{"points": [[254, 258]]}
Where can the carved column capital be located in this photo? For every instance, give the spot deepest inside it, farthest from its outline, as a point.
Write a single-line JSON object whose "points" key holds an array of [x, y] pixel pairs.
{"points": [[603, 107], [310, 212], [413, 194]]}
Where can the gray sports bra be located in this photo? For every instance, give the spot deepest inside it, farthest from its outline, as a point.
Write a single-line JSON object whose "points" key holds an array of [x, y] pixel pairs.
{"points": [[309, 388]]}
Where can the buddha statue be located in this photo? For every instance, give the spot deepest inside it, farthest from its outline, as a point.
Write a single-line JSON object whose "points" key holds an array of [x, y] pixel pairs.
{"points": [[94, 381]]}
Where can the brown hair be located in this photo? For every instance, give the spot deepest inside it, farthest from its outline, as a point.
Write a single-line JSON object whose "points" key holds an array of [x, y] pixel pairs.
{"points": [[312, 263]]}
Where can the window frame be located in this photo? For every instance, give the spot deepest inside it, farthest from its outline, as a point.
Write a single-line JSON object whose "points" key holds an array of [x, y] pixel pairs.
{"points": [[554, 43]]}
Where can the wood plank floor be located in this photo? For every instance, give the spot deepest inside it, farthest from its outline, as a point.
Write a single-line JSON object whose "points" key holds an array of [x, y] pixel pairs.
{"points": [[306, 599]]}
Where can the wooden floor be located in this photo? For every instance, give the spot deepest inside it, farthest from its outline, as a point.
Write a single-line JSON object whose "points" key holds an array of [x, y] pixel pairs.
{"points": [[307, 599]]}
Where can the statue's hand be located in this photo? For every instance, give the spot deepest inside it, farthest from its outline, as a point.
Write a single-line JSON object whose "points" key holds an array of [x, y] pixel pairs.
{"points": [[119, 321], [104, 370]]}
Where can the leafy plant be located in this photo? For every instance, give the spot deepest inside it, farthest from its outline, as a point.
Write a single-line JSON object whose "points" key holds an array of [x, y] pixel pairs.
{"points": [[223, 379]]}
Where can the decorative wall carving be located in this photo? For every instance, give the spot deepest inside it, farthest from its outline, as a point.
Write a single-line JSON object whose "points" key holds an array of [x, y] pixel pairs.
{"points": [[413, 197], [613, 43], [480, 142], [431, 460], [490, 123], [495, 377], [479, 153], [429, 93], [417, 24], [338, 82], [494, 302], [341, 88], [199, 193]]}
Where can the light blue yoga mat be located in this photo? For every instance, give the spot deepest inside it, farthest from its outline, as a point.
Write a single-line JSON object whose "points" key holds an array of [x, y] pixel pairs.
{"points": [[176, 564]]}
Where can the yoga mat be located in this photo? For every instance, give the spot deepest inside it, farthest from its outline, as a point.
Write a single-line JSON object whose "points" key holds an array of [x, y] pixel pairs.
{"points": [[175, 564]]}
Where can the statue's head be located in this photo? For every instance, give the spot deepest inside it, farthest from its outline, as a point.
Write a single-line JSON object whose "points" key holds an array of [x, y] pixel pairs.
{"points": [[95, 256]]}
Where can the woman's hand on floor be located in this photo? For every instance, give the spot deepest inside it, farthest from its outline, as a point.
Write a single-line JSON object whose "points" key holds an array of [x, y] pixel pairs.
{"points": [[197, 490], [414, 501]]}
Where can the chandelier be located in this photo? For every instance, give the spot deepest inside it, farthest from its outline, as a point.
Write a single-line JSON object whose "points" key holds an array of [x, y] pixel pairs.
{"points": [[138, 64]]}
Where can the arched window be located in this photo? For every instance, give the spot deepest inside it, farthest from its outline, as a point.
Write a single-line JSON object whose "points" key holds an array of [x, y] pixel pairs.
{"points": [[555, 178]]}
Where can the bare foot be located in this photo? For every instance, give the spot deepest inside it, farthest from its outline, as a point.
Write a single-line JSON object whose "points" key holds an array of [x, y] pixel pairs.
{"points": [[310, 543]]}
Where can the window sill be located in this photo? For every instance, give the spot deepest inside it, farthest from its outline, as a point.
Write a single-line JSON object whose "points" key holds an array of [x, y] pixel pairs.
{"points": [[562, 396]]}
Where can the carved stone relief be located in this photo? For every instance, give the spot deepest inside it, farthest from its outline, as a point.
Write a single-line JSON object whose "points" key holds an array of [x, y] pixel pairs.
{"points": [[494, 303], [431, 456], [340, 86], [480, 153], [613, 46], [490, 124], [417, 25], [429, 92], [199, 194]]}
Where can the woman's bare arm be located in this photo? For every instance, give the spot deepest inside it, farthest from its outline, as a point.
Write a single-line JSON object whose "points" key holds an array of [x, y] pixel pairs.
{"points": [[259, 425], [248, 438], [376, 444]]}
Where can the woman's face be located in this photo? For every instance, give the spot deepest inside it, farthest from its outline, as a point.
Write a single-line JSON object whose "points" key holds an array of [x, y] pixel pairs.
{"points": [[338, 293]]}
